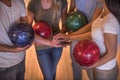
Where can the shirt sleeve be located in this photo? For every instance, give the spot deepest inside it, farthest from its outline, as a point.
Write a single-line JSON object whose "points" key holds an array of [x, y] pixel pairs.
{"points": [[23, 8], [31, 6], [111, 25]]}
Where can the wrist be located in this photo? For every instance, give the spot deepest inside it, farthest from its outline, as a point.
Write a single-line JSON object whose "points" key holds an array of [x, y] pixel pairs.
{"points": [[48, 43], [68, 36], [11, 49]]}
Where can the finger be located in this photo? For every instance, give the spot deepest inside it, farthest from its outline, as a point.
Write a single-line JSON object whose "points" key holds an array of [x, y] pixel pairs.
{"points": [[57, 35]]}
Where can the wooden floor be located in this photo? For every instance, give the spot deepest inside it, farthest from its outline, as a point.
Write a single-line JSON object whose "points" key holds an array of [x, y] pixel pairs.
{"points": [[64, 69]]}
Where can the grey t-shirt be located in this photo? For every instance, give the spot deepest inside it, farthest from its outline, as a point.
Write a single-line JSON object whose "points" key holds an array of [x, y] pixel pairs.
{"points": [[45, 15], [87, 7], [9, 15]]}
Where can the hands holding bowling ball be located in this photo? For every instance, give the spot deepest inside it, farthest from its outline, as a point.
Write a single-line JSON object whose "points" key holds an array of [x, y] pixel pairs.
{"points": [[44, 30], [21, 35], [86, 53]]}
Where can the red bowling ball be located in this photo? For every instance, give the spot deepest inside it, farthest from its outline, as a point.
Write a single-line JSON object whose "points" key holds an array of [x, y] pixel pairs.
{"points": [[86, 53], [43, 29]]}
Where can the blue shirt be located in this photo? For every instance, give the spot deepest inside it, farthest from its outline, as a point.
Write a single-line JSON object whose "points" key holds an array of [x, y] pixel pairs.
{"points": [[87, 7]]}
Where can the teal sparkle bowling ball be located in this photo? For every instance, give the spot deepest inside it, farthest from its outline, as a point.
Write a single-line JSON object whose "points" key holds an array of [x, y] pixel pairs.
{"points": [[75, 21]]}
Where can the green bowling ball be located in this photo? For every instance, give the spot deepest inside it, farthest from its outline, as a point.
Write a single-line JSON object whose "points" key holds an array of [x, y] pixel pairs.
{"points": [[75, 21]]}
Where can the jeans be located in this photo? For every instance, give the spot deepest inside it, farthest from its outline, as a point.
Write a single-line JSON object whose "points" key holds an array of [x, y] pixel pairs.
{"points": [[111, 74], [48, 61], [13, 73], [77, 70]]}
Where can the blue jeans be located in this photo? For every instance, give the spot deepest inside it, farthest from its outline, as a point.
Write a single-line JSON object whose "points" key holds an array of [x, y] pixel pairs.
{"points": [[77, 71], [48, 61], [13, 73]]}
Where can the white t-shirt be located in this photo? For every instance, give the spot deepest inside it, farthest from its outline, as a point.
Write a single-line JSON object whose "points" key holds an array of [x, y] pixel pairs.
{"points": [[8, 16], [108, 24]]}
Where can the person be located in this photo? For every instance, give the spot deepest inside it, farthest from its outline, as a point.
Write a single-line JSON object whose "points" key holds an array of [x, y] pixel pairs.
{"points": [[114, 11], [48, 50], [92, 9], [105, 32], [12, 58]]}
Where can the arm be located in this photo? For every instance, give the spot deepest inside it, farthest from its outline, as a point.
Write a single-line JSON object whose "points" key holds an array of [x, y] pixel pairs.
{"points": [[42, 41], [11, 48], [63, 18], [24, 19], [8, 48], [111, 49], [72, 5], [87, 27], [23, 16], [30, 17], [38, 39], [83, 36], [65, 37]]}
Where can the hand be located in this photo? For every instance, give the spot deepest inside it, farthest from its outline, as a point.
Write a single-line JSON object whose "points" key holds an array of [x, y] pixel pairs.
{"points": [[61, 37], [18, 49], [55, 43], [87, 67], [64, 44]]}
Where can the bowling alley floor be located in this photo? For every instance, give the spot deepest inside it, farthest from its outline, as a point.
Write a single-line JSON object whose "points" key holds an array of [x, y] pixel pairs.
{"points": [[64, 69]]}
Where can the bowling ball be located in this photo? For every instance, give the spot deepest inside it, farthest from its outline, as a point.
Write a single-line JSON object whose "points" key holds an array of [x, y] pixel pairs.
{"points": [[21, 34], [43, 29], [86, 53], [75, 21]]}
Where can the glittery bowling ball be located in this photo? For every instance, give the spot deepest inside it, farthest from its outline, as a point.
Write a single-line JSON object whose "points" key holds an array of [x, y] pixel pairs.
{"points": [[75, 21], [21, 34], [86, 53], [43, 29]]}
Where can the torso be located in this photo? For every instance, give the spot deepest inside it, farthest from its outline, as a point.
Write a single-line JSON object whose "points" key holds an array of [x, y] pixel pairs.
{"points": [[8, 16], [100, 26]]}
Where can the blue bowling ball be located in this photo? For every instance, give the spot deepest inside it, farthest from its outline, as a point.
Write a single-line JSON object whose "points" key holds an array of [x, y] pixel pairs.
{"points": [[21, 34]]}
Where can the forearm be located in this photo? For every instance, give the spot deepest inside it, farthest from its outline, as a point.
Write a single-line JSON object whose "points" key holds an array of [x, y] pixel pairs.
{"points": [[7, 48], [110, 41], [41, 41], [24, 19], [96, 13], [30, 17], [72, 5], [104, 60], [63, 19], [85, 29], [80, 36]]}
